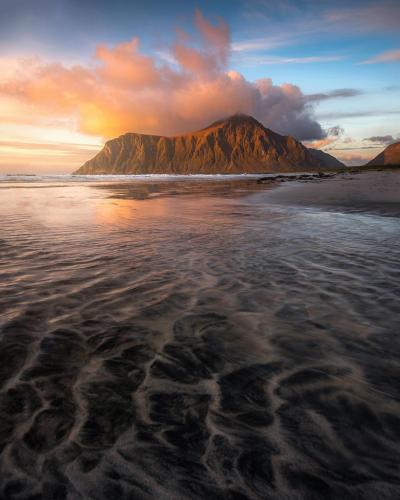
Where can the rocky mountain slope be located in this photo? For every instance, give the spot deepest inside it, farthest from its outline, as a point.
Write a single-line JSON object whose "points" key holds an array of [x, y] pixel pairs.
{"points": [[239, 144], [326, 160], [389, 156]]}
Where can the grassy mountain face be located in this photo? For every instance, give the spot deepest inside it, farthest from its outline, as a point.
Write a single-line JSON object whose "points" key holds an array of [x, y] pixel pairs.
{"points": [[239, 144], [389, 156]]}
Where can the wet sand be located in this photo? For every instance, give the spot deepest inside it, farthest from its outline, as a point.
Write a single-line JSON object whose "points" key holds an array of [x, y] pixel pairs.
{"points": [[192, 340], [364, 192]]}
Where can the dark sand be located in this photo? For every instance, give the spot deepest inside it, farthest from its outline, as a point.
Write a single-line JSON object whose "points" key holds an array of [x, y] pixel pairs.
{"points": [[200, 340]]}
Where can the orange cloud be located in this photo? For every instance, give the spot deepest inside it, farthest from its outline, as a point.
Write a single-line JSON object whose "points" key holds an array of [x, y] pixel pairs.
{"points": [[322, 143], [333, 135], [124, 66], [126, 90]]}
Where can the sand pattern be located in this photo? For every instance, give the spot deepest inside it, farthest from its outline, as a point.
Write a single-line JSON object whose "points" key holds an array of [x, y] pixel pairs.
{"points": [[193, 347]]}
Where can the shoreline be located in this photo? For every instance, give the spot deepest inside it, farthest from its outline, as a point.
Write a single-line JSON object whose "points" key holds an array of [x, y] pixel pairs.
{"points": [[375, 189], [21, 177]]}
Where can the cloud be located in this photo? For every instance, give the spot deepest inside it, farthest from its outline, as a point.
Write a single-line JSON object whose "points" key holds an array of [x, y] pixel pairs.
{"points": [[321, 143], [26, 157], [332, 135], [353, 158], [294, 23], [334, 94], [212, 58], [126, 90], [371, 17], [292, 60], [355, 148], [392, 88], [262, 43], [385, 57], [357, 114], [62, 148], [384, 140], [336, 131], [124, 66]]}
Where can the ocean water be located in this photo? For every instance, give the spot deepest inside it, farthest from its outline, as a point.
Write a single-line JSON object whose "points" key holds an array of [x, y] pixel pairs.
{"points": [[9, 178], [196, 338]]}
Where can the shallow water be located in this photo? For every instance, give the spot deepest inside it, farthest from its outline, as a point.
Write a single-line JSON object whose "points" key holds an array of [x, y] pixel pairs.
{"points": [[195, 339]]}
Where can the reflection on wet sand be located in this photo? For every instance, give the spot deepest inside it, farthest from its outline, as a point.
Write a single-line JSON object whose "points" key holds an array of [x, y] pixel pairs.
{"points": [[193, 340]]}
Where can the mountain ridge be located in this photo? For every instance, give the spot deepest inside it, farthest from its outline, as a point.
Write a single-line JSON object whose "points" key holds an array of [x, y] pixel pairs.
{"points": [[237, 144]]}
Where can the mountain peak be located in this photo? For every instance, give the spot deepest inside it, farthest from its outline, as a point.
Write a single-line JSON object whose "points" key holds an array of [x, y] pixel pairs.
{"points": [[236, 120]]}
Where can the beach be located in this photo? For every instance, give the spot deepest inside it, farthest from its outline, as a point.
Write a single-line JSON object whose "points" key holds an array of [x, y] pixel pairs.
{"points": [[200, 338]]}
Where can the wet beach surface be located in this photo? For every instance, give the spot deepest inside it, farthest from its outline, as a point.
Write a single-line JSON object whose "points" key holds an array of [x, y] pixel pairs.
{"points": [[191, 340]]}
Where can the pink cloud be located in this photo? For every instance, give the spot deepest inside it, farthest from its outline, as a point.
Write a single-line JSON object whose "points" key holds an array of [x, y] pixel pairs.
{"points": [[385, 57], [126, 90], [352, 158]]}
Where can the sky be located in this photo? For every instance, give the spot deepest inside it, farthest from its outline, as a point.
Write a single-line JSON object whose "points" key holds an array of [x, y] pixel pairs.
{"points": [[74, 74]]}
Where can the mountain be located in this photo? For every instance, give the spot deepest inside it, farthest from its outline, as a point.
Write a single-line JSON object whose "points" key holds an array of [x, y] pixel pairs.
{"points": [[389, 156], [239, 144], [326, 159]]}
